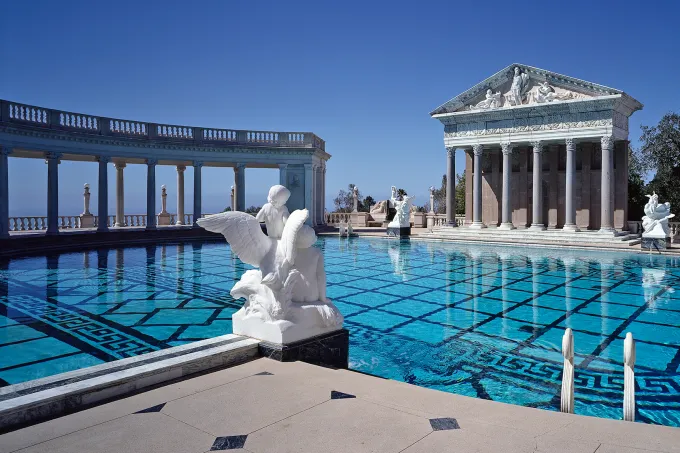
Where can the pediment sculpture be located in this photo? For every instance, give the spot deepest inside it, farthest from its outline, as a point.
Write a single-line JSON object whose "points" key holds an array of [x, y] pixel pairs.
{"points": [[490, 102], [285, 299], [519, 87], [546, 93], [655, 221]]}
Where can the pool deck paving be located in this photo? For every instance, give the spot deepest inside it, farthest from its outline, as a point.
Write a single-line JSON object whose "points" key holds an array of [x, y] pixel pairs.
{"points": [[268, 406]]}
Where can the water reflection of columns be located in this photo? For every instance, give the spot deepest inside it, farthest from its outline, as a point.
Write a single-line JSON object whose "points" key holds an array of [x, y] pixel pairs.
{"points": [[150, 268], [164, 257], [179, 267], [86, 265], [475, 257], [120, 264], [569, 274], [606, 267], [197, 266], [536, 286], [505, 263], [4, 286], [52, 288], [102, 266]]}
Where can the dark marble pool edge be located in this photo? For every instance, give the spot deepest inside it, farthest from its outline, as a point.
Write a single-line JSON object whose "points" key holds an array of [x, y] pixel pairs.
{"points": [[50, 403]]}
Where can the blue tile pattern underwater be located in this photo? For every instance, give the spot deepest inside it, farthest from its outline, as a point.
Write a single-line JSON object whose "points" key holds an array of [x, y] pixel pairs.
{"points": [[475, 320]]}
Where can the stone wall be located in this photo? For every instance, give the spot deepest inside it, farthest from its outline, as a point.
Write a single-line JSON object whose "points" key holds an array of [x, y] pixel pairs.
{"points": [[586, 185]]}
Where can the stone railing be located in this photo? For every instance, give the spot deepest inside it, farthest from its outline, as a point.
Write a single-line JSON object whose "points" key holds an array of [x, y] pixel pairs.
{"points": [[337, 218], [440, 220], [39, 223], [43, 118]]}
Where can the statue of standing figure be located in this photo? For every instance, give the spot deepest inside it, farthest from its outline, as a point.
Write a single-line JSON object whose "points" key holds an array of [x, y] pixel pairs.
{"points": [[655, 221], [432, 189], [519, 88], [355, 199], [403, 207]]}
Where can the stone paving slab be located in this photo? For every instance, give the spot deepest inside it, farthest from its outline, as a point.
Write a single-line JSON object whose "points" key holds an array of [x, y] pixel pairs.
{"points": [[267, 406]]}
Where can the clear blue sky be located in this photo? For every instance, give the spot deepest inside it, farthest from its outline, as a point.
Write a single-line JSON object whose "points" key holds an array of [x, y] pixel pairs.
{"points": [[362, 75]]}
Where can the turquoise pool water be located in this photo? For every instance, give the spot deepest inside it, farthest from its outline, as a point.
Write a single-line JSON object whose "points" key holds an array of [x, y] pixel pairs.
{"points": [[475, 320]]}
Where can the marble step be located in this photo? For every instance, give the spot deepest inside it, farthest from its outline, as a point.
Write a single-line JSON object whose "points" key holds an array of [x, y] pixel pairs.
{"points": [[53, 396], [525, 235]]}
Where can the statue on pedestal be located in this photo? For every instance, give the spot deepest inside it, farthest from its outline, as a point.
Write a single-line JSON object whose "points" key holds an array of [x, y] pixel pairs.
{"points": [[432, 189], [285, 299], [403, 207], [355, 199], [655, 221]]}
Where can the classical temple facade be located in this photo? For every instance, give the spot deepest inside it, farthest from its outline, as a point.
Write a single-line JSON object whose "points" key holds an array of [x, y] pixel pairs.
{"points": [[543, 151]]}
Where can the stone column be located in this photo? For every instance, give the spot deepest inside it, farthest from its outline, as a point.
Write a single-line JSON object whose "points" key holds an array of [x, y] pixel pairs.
{"points": [[537, 202], [4, 192], [569, 207], [506, 209], [103, 194], [180, 195], [151, 194], [197, 191], [308, 192], [323, 192], [120, 194], [52, 160], [312, 213], [477, 189], [283, 174], [607, 217], [451, 186], [240, 183], [318, 206]]}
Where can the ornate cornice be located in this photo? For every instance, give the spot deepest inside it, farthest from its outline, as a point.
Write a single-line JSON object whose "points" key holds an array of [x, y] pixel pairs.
{"points": [[158, 145]]}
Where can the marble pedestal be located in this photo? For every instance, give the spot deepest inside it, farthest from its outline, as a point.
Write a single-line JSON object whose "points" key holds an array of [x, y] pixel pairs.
{"points": [[359, 219], [164, 219], [86, 221], [654, 243], [399, 231], [330, 349]]}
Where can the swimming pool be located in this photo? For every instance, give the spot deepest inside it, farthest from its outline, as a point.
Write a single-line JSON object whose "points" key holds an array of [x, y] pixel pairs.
{"points": [[476, 320]]}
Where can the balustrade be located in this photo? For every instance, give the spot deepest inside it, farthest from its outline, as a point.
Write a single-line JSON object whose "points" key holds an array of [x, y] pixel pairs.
{"points": [[29, 115]]}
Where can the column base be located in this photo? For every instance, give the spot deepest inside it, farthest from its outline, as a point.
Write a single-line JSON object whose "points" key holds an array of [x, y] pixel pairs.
{"points": [[150, 227], [537, 227], [117, 225], [452, 224], [609, 231], [506, 226], [179, 223], [572, 228], [477, 225]]}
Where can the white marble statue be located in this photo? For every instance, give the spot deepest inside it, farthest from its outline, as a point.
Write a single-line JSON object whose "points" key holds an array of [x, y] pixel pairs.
{"points": [[274, 214], [546, 93], [519, 87], [655, 221], [491, 101], [403, 207], [355, 199], [432, 190], [379, 208], [286, 297]]}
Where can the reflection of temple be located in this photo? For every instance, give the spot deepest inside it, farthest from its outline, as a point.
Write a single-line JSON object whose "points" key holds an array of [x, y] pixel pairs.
{"points": [[551, 153]]}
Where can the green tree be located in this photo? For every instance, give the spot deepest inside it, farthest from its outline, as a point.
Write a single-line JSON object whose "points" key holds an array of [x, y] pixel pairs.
{"points": [[440, 196], [660, 153], [636, 186], [366, 203], [227, 209], [253, 210], [460, 194], [401, 193], [344, 202]]}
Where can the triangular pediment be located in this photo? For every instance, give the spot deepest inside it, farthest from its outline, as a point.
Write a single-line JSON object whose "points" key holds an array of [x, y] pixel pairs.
{"points": [[519, 85]]}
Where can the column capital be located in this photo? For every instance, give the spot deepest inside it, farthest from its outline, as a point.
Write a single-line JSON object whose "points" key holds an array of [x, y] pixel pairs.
{"points": [[537, 146], [240, 166], [152, 162], [607, 141], [477, 150], [450, 152], [197, 164], [53, 156], [283, 166], [104, 159], [571, 144], [507, 148], [5, 151], [119, 165], [181, 168], [308, 166]]}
